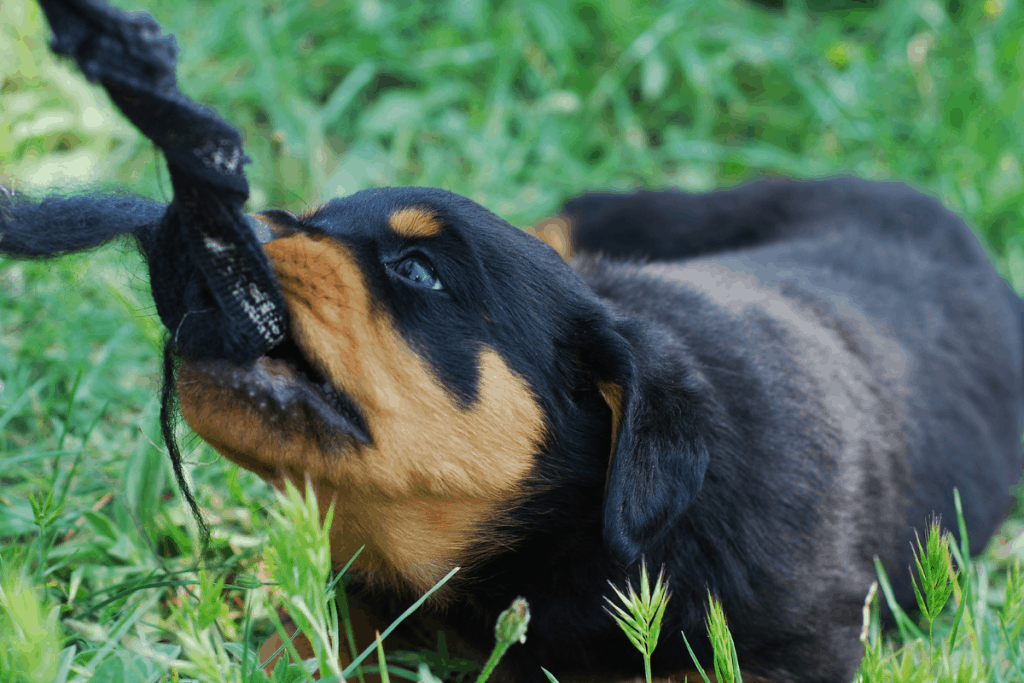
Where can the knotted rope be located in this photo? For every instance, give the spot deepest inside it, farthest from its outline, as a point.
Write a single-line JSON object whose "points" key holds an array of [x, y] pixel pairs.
{"points": [[212, 283]]}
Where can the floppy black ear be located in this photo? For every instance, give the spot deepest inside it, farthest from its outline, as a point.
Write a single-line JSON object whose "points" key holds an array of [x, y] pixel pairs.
{"points": [[659, 402]]}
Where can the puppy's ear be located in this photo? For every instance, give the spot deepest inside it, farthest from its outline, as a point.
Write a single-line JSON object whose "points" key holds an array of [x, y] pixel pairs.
{"points": [[659, 402]]}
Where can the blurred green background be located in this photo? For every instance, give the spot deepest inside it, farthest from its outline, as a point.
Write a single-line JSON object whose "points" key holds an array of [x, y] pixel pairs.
{"points": [[521, 105]]}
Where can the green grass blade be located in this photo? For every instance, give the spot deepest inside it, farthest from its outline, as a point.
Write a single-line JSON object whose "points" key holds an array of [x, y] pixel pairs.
{"points": [[382, 666], [689, 649], [365, 653], [965, 544], [72, 394], [964, 596], [19, 403], [549, 675], [1012, 649], [908, 629]]}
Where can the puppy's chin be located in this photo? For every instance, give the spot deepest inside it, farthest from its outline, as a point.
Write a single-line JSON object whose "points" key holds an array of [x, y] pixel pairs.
{"points": [[288, 395], [414, 520]]}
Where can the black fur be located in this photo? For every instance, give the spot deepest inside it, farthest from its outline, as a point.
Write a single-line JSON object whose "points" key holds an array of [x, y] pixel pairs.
{"points": [[737, 469]]}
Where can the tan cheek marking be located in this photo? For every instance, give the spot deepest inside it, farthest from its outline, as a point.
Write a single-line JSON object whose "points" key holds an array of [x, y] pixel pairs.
{"points": [[414, 222], [437, 475], [556, 233]]}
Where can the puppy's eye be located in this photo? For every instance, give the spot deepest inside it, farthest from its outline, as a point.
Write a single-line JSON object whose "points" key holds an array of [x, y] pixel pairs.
{"points": [[419, 271]]}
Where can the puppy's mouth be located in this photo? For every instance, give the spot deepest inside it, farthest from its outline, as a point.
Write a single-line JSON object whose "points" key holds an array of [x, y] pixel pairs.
{"points": [[284, 384]]}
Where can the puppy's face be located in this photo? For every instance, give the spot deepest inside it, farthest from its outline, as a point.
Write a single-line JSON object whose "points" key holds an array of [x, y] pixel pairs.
{"points": [[424, 331]]}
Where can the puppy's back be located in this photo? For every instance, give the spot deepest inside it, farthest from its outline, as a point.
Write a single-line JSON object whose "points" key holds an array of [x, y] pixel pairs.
{"points": [[905, 285]]}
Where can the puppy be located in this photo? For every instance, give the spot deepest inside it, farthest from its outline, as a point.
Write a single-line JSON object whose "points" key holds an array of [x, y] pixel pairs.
{"points": [[758, 390]]}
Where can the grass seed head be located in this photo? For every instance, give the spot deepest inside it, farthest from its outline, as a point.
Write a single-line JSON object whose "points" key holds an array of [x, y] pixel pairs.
{"points": [[935, 569]]}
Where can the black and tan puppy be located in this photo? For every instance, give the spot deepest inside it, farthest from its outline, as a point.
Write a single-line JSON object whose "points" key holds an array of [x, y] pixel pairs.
{"points": [[758, 389]]}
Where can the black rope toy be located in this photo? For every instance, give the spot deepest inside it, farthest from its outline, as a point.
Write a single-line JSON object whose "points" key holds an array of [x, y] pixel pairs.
{"points": [[212, 283]]}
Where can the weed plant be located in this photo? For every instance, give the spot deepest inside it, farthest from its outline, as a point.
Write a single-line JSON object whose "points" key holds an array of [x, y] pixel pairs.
{"points": [[518, 105]]}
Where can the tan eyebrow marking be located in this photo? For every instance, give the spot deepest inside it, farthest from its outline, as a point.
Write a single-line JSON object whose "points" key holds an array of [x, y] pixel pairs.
{"points": [[556, 233], [415, 222]]}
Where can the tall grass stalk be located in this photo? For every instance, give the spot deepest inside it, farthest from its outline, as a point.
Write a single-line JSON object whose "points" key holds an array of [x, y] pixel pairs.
{"points": [[299, 558], [641, 618], [935, 569], [724, 658]]}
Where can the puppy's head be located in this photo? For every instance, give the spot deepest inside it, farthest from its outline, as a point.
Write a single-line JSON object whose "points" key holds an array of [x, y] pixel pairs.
{"points": [[435, 354]]}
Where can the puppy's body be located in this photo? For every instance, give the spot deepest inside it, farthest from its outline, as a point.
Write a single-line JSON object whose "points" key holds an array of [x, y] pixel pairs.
{"points": [[758, 390], [866, 359]]}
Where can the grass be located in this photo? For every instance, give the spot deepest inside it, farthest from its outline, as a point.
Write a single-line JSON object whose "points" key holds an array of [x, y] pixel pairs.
{"points": [[975, 642], [518, 105]]}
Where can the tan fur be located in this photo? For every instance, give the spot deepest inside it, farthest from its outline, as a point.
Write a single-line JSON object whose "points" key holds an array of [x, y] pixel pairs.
{"points": [[436, 476], [414, 222], [556, 233], [612, 395]]}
